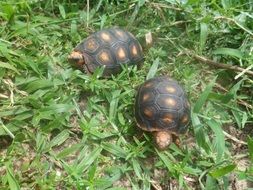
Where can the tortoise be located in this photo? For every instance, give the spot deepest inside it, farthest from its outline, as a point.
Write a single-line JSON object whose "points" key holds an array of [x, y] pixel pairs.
{"points": [[110, 48], [162, 107]]}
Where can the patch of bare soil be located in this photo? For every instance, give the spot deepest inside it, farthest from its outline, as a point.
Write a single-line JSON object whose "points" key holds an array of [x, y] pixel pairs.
{"points": [[238, 140], [123, 182]]}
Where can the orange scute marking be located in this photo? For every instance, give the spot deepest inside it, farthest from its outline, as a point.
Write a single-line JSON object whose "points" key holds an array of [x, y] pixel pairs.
{"points": [[145, 97], [168, 118], [91, 45], [148, 113], [185, 119], [120, 33], [170, 102], [149, 84], [134, 50], [170, 89], [105, 36], [121, 53], [104, 57]]}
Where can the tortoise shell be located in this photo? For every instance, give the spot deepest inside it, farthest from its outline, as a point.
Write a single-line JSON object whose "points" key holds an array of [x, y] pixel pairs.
{"points": [[110, 48], [161, 105]]}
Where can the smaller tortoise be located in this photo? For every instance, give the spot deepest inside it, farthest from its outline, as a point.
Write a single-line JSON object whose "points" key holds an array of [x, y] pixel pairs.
{"points": [[110, 48], [161, 107]]}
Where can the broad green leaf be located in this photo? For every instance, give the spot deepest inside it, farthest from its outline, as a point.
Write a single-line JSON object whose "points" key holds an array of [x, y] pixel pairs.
{"points": [[166, 161], [226, 4], [92, 171], [100, 135], [222, 171], [241, 18], [211, 183], [229, 95], [224, 98], [219, 140], [39, 84], [114, 149], [8, 66], [24, 115], [73, 27], [88, 160], [121, 119], [67, 151], [238, 117], [41, 142], [62, 11], [153, 69], [203, 35], [13, 184], [229, 51], [34, 65], [141, 2], [59, 139], [236, 87], [8, 11], [115, 172], [114, 105], [98, 72], [102, 183], [46, 112], [200, 135], [244, 119], [137, 168], [16, 110], [203, 97], [192, 171]]}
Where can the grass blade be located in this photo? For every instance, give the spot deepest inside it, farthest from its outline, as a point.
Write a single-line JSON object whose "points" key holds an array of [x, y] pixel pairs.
{"points": [[57, 108], [203, 35], [199, 133], [153, 69], [203, 97], [88, 160], [13, 184], [137, 168], [211, 183], [229, 51], [222, 171], [114, 149], [166, 161], [8, 66], [59, 139], [68, 151], [219, 141], [39, 84], [62, 11], [114, 105]]}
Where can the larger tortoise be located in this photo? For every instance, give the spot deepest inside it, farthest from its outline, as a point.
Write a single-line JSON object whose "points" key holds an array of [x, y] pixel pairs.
{"points": [[161, 107], [110, 48]]}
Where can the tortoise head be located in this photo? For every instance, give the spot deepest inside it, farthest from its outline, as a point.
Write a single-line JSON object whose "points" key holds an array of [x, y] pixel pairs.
{"points": [[162, 139], [76, 58]]}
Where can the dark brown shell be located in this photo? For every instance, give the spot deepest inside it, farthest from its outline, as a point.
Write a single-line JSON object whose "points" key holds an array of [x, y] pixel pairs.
{"points": [[110, 48], [161, 105]]}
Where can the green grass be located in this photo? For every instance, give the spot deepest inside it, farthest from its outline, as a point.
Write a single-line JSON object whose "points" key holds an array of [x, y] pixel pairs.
{"points": [[63, 129]]}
